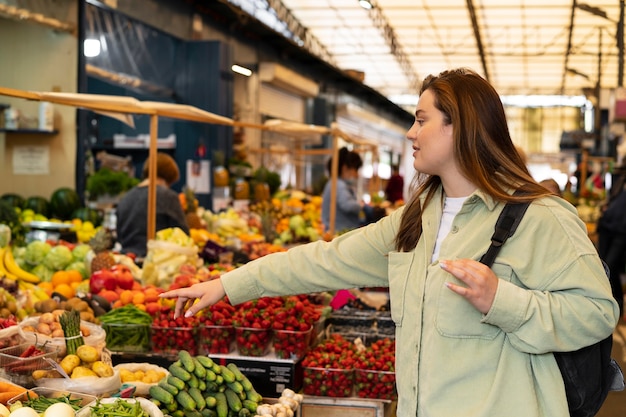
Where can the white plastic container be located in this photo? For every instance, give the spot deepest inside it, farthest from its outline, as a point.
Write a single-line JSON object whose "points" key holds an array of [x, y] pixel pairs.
{"points": [[46, 116]]}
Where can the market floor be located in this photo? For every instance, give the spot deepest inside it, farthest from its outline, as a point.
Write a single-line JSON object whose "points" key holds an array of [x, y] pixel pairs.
{"points": [[615, 404]]}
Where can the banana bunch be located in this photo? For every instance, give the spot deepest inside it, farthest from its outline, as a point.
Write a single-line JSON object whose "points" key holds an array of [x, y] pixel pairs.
{"points": [[10, 269], [33, 292]]}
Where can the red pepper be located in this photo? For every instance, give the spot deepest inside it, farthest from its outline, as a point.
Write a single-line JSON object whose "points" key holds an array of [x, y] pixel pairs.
{"points": [[29, 351]]}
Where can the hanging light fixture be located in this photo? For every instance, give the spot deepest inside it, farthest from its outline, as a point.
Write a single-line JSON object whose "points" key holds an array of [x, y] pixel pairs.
{"points": [[91, 47], [366, 4], [241, 70]]}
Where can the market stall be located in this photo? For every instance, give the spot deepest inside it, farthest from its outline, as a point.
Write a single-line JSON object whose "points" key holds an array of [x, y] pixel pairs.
{"points": [[133, 346]]}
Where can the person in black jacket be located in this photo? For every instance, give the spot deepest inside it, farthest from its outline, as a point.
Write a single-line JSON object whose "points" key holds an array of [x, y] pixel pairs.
{"points": [[612, 235], [132, 209]]}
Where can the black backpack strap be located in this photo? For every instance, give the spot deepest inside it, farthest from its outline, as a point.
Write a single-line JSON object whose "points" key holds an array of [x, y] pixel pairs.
{"points": [[506, 225]]}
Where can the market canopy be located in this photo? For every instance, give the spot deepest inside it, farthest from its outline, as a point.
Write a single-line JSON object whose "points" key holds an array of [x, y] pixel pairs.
{"points": [[122, 107]]}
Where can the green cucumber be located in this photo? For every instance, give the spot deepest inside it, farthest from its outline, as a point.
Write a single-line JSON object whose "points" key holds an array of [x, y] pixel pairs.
{"points": [[250, 405], [186, 401], [227, 374], [235, 370], [253, 395], [199, 370], [207, 412], [235, 386], [210, 401], [205, 361], [234, 402], [175, 381], [160, 394], [186, 360], [179, 372], [245, 382], [197, 397], [210, 375], [193, 381], [222, 405], [168, 387]]}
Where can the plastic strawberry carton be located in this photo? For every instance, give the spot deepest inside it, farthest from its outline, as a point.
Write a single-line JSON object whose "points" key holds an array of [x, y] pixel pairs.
{"points": [[327, 382], [253, 341], [215, 339], [375, 384]]}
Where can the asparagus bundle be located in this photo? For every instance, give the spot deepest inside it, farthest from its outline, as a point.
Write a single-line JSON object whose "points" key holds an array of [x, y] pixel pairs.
{"points": [[70, 322]]}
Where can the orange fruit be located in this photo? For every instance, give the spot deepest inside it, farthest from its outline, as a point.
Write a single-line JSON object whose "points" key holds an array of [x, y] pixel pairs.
{"points": [[126, 297], [151, 295], [60, 277], [65, 290], [74, 275], [139, 298], [46, 286]]}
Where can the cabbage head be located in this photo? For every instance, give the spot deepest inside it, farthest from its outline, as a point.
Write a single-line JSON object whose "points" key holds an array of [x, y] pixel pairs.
{"points": [[43, 272], [36, 251], [80, 251], [78, 266], [58, 258]]}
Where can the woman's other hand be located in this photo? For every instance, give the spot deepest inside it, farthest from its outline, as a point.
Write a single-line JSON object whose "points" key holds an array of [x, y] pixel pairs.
{"points": [[207, 293], [481, 283]]}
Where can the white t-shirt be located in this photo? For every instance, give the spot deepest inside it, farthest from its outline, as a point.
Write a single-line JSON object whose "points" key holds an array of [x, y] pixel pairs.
{"points": [[451, 206]]}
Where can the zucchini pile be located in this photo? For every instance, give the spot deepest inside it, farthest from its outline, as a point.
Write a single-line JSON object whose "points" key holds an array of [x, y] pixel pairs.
{"points": [[199, 387]]}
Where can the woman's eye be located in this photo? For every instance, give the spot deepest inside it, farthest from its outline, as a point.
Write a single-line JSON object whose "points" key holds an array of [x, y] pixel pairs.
{"points": [[419, 121]]}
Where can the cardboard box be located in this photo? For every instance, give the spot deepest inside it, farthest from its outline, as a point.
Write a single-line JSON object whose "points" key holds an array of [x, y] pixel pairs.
{"points": [[346, 407], [268, 374]]}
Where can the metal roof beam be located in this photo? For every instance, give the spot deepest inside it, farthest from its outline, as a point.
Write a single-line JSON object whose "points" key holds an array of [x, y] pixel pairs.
{"points": [[479, 39], [380, 22], [299, 33]]}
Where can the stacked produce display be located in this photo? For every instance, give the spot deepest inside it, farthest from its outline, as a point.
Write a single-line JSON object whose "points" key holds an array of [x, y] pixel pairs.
{"points": [[70, 307]]}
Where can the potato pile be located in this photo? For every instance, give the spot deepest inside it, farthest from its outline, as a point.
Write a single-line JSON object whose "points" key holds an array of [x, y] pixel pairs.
{"points": [[49, 325], [86, 362], [51, 305]]}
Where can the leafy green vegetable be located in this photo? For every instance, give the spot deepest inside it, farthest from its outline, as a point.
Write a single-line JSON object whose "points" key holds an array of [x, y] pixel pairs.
{"points": [[80, 251], [105, 181], [58, 258], [43, 272], [78, 266], [36, 251]]}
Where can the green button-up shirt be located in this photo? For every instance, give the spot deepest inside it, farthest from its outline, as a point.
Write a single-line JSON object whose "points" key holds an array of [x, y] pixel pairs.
{"points": [[451, 360]]}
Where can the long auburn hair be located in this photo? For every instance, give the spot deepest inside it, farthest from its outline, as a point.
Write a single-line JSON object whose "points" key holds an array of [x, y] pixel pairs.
{"points": [[483, 148]]}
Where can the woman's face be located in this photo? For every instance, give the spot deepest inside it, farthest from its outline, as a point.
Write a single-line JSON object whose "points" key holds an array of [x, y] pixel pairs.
{"points": [[432, 139]]}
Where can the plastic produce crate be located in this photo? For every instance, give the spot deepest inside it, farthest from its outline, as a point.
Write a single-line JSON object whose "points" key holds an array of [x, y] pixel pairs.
{"points": [[216, 339], [19, 370], [170, 340], [78, 400], [122, 337], [327, 382]]}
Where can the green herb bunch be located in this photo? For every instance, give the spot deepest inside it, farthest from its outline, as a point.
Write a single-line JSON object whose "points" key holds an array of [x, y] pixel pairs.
{"points": [[107, 181]]}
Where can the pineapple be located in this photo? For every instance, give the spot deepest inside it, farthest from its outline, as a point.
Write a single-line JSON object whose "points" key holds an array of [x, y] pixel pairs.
{"points": [[101, 244]]}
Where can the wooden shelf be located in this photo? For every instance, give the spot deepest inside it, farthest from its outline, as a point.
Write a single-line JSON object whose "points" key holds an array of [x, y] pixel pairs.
{"points": [[29, 131]]}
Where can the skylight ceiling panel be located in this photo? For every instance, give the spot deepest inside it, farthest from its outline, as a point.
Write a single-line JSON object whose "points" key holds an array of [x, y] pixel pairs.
{"points": [[446, 41]]}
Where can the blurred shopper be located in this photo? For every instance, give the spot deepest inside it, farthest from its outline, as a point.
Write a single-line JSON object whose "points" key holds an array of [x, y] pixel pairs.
{"points": [[132, 224], [612, 235], [394, 191], [349, 210]]}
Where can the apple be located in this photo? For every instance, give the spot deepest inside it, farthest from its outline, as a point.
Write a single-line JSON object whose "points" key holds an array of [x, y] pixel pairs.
{"points": [[123, 276]]}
